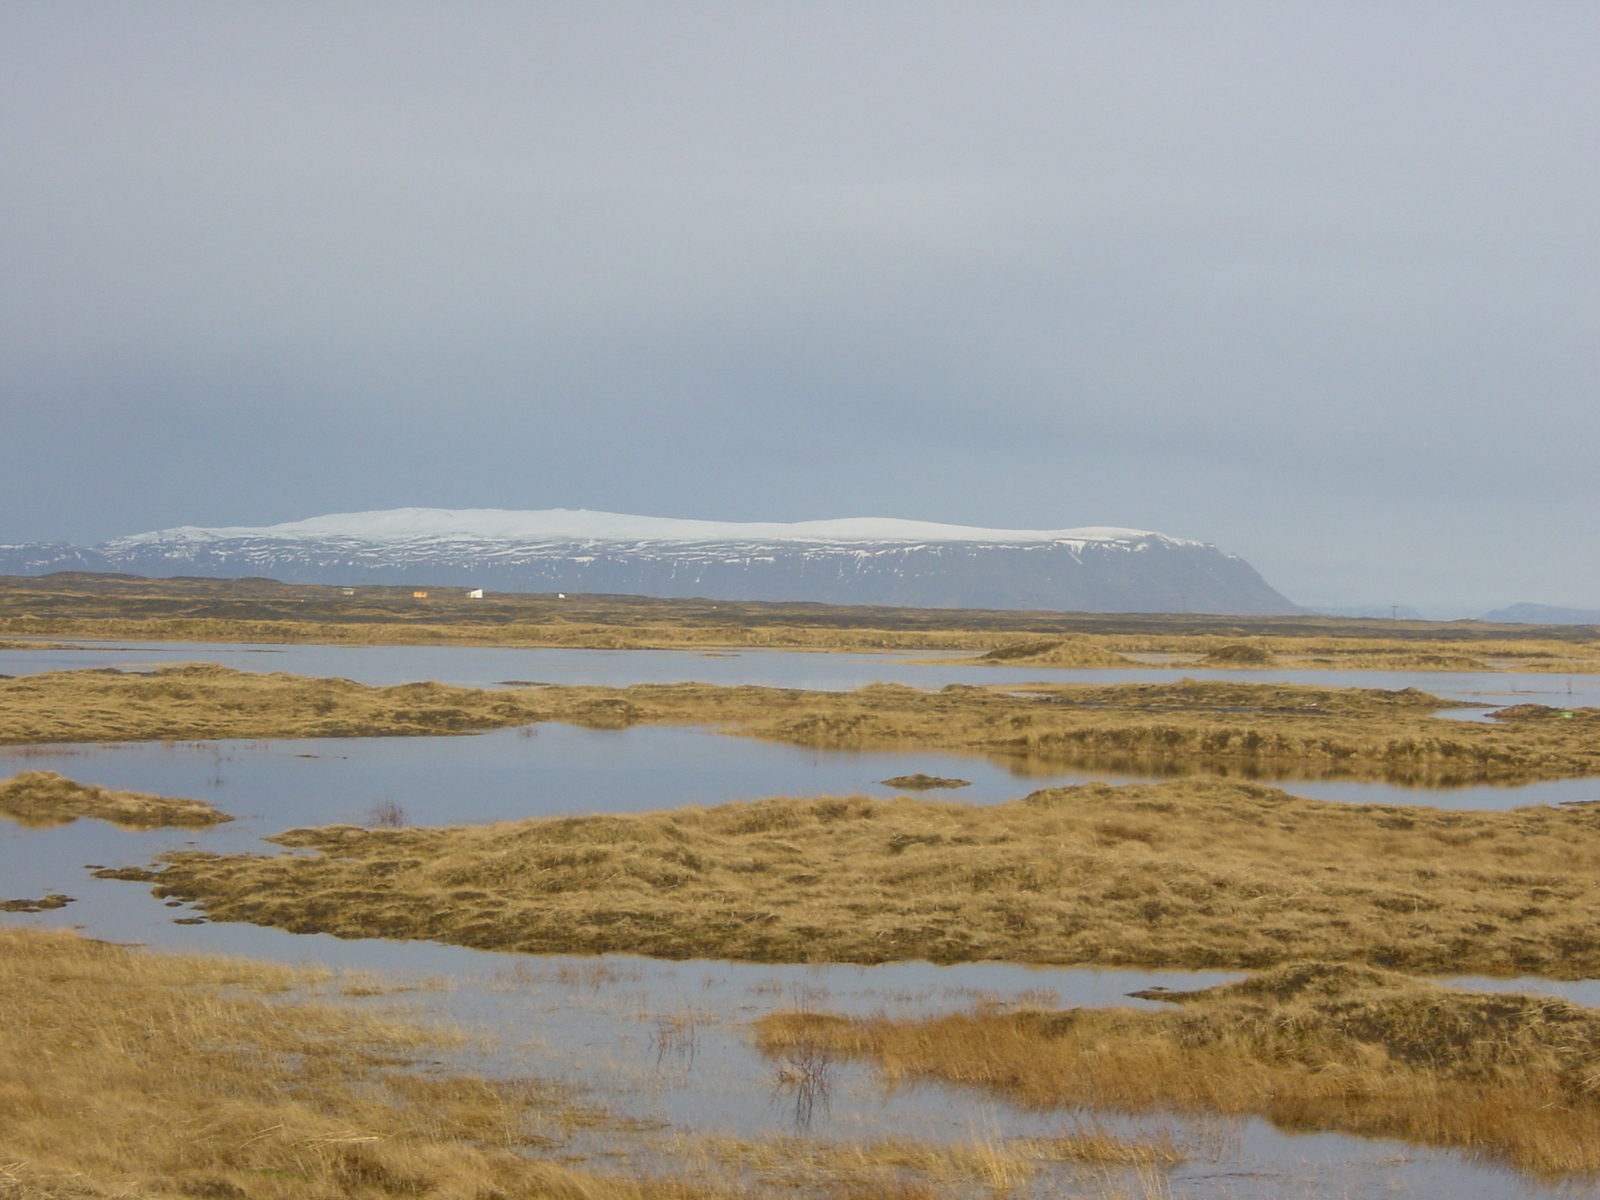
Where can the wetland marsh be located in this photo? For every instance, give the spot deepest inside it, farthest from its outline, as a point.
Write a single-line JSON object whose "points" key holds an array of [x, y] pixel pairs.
{"points": [[1188, 874], [679, 1031], [1184, 725]]}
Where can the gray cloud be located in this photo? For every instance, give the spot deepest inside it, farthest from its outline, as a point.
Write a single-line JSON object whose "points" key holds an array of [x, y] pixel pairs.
{"points": [[1314, 281]]}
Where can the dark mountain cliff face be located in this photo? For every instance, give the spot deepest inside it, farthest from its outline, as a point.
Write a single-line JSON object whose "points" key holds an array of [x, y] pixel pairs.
{"points": [[1143, 573]]}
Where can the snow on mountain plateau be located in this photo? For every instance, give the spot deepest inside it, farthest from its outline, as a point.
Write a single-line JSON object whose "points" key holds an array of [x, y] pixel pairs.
{"points": [[577, 525], [863, 560]]}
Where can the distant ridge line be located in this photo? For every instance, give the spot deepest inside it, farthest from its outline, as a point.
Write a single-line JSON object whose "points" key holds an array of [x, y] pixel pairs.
{"points": [[868, 560], [1542, 614]]}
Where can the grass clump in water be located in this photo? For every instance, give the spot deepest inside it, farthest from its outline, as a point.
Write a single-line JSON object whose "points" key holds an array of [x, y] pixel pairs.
{"points": [[42, 799], [1311, 1046], [921, 782], [1192, 873]]}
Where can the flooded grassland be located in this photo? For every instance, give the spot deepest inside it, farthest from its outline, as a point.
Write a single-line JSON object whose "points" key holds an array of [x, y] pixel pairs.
{"points": [[1009, 1094], [1193, 873], [1187, 724], [1310, 1045], [128, 1073]]}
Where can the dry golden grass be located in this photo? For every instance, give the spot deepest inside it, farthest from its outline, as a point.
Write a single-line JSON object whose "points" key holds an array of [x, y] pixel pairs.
{"points": [[1220, 727], [130, 1074], [1181, 726], [41, 799], [1191, 873], [999, 1164], [203, 701], [1081, 652], [560, 633], [101, 606], [1301, 652], [1311, 1046]]}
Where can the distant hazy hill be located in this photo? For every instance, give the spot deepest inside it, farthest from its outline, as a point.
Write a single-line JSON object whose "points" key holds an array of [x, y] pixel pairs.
{"points": [[856, 561], [1397, 612], [1543, 614]]}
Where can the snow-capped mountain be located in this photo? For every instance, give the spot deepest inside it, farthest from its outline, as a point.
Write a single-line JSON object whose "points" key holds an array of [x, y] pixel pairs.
{"points": [[851, 561]]}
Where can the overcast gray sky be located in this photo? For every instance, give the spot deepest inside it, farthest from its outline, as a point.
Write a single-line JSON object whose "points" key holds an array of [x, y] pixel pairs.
{"points": [[1313, 281]]}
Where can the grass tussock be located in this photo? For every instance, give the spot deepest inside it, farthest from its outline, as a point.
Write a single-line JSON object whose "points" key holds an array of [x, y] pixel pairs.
{"points": [[1193, 873], [124, 1073], [1263, 729], [42, 799], [1312, 1046]]}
